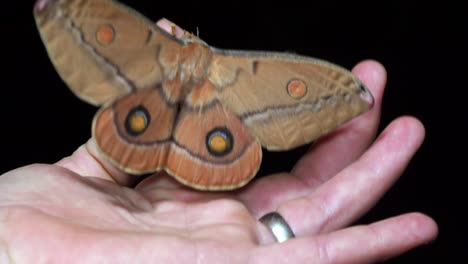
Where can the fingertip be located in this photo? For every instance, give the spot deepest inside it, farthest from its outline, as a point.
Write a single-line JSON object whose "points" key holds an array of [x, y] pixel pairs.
{"points": [[164, 23], [103, 166], [425, 226], [414, 125], [407, 130], [373, 75], [88, 161], [371, 70], [170, 27]]}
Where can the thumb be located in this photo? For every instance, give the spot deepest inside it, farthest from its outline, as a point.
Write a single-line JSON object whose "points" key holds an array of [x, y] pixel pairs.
{"points": [[87, 161]]}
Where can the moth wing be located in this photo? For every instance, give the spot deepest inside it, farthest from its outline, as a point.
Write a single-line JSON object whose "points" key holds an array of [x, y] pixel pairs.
{"points": [[103, 49], [212, 150], [286, 100], [135, 131]]}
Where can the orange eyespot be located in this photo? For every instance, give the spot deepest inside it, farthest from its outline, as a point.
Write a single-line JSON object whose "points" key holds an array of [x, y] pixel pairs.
{"points": [[219, 141], [105, 35], [137, 121], [297, 89]]}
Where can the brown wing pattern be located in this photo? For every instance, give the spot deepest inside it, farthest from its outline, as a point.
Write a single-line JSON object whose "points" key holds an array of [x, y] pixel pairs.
{"points": [[192, 162], [102, 49], [135, 131], [286, 100]]}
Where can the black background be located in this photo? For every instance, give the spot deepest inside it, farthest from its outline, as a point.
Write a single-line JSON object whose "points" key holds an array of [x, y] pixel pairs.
{"points": [[422, 47]]}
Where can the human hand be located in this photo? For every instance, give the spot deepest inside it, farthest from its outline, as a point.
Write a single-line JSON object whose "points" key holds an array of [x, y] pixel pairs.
{"points": [[82, 209]]}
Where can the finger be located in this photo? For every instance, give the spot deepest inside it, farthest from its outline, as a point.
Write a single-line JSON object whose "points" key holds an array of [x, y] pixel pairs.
{"points": [[335, 151], [357, 188], [88, 162], [170, 27], [360, 244], [327, 157], [161, 186]]}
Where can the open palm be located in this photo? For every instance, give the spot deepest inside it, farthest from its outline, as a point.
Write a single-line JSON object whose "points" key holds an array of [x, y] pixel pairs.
{"points": [[82, 210]]}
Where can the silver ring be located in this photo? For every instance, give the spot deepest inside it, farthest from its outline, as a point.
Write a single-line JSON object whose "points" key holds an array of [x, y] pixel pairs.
{"points": [[278, 226]]}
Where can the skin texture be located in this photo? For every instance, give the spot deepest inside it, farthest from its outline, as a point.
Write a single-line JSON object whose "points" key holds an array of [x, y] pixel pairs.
{"points": [[82, 210]]}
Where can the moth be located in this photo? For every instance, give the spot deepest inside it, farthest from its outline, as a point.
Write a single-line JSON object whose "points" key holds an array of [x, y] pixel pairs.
{"points": [[173, 103]]}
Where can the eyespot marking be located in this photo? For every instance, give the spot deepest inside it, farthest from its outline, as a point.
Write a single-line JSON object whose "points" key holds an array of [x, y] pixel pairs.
{"points": [[105, 35], [297, 89], [219, 141], [137, 121]]}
